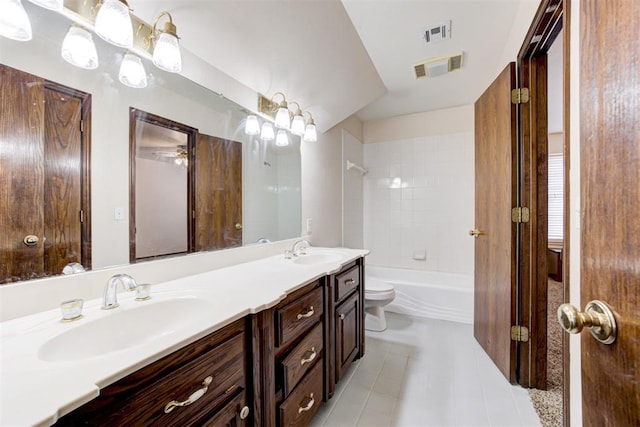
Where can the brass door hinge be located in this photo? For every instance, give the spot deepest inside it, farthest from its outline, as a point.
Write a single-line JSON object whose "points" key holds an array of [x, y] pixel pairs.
{"points": [[519, 333], [520, 96], [81, 126], [520, 214], [81, 216]]}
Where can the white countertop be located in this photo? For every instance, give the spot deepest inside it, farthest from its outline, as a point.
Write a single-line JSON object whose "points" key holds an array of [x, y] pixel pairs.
{"points": [[38, 392]]}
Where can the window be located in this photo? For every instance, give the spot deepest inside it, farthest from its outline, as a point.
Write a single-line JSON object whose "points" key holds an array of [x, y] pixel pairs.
{"points": [[556, 198]]}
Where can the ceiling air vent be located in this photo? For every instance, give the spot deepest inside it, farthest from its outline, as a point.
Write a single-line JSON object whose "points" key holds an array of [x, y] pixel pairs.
{"points": [[438, 66], [437, 32]]}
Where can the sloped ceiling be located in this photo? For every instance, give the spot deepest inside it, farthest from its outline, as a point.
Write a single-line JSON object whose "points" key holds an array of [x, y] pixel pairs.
{"points": [[338, 58]]}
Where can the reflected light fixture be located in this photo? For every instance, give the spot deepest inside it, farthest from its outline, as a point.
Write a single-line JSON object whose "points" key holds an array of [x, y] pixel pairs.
{"points": [[251, 125], [132, 72], [166, 52], [113, 23], [297, 123], [283, 120], [14, 22], [49, 4], [282, 139], [78, 48], [310, 132], [267, 133]]}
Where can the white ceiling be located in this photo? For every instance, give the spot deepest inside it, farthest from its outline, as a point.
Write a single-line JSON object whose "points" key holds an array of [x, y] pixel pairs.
{"points": [[351, 57]]}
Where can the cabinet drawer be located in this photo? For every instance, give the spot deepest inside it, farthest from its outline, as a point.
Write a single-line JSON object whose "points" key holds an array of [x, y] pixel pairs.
{"points": [[301, 405], [225, 365], [301, 359], [298, 316], [347, 282]]}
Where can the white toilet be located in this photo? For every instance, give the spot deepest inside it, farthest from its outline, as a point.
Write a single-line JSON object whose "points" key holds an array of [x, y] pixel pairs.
{"points": [[377, 294]]}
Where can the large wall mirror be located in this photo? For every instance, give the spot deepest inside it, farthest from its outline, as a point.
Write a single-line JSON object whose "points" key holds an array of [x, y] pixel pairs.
{"points": [[267, 178]]}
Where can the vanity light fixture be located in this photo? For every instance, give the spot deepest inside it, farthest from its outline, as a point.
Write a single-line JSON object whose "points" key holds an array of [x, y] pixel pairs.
{"points": [[282, 139], [266, 132], [297, 123], [49, 4], [113, 23], [166, 52], [14, 21], [251, 125], [283, 119], [132, 72], [79, 49], [310, 133]]}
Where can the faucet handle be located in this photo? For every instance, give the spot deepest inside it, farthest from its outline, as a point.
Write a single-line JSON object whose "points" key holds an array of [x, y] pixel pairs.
{"points": [[71, 310], [288, 254], [143, 292]]}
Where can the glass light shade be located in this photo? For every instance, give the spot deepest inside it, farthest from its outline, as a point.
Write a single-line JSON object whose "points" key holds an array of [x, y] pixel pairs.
{"points": [[14, 22], [166, 53], [297, 125], [78, 48], [49, 4], [113, 23], [251, 125], [132, 72], [282, 139], [283, 121], [267, 133], [310, 133]]}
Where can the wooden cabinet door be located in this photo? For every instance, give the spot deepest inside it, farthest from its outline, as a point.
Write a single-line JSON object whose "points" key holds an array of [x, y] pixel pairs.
{"points": [[218, 188], [495, 248], [610, 201], [347, 321]]}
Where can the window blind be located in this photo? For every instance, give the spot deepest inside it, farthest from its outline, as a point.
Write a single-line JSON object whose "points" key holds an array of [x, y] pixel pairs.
{"points": [[556, 197]]}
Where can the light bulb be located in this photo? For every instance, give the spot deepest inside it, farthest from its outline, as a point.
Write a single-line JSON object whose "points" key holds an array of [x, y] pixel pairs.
{"points": [[282, 139], [251, 125], [166, 53], [297, 125], [132, 72], [267, 133], [78, 48], [310, 133], [14, 21], [113, 23], [283, 121]]}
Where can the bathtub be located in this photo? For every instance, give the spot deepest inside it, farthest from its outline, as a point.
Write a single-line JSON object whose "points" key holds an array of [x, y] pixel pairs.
{"points": [[445, 296]]}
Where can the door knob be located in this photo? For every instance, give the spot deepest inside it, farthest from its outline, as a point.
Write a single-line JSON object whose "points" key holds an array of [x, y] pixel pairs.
{"points": [[597, 316], [475, 233], [30, 240]]}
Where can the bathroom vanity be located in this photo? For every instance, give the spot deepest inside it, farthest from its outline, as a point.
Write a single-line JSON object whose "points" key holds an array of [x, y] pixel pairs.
{"points": [[261, 343]]}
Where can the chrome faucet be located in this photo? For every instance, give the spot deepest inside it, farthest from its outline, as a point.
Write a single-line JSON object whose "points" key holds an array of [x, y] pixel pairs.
{"points": [[109, 299], [300, 247]]}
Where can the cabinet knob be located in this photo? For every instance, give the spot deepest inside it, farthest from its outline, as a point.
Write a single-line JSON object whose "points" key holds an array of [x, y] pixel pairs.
{"points": [[244, 413], [342, 316], [30, 240]]}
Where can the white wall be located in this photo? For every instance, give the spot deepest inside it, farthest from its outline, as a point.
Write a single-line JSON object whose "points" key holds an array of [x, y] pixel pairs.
{"points": [[352, 192], [322, 183]]}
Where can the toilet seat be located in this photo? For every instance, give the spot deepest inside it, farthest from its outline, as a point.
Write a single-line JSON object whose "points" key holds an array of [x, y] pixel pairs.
{"points": [[376, 289]]}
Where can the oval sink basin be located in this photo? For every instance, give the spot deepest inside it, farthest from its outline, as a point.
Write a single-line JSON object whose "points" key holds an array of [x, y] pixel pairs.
{"points": [[318, 258], [123, 329]]}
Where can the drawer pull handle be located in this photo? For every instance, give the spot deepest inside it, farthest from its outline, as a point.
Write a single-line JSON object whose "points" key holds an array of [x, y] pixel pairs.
{"points": [[309, 313], [349, 282], [194, 396], [308, 406], [310, 358]]}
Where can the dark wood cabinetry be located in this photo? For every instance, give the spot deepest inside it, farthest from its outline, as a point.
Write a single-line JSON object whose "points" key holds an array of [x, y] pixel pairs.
{"points": [[158, 394], [345, 293]]}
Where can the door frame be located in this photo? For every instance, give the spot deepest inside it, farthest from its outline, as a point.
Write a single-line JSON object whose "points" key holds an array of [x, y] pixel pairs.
{"points": [[551, 17]]}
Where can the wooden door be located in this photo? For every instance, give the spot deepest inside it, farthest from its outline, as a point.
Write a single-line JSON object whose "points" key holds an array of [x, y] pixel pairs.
{"points": [[610, 202], [45, 179], [218, 188], [495, 247]]}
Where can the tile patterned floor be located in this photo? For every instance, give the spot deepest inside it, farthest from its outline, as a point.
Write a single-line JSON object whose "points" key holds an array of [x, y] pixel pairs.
{"points": [[425, 372]]}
